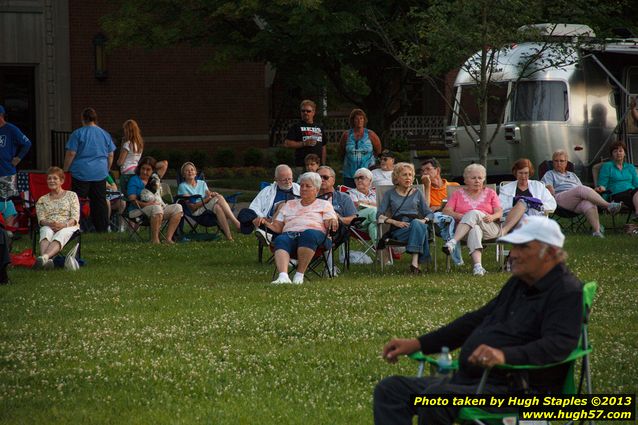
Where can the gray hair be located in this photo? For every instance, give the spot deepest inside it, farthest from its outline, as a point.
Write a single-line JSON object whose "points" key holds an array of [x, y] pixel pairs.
{"points": [[559, 254], [280, 168], [560, 152], [398, 169], [313, 177], [474, 167], [363, 172], [325, 167]]}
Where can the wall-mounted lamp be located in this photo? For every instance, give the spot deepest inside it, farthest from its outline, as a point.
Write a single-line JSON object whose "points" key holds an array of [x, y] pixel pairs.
{"points": [[99, 44]]}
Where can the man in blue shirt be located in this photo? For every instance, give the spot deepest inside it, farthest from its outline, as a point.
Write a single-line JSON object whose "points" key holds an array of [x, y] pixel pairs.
{"points": [[14, 146], [89, 155]]}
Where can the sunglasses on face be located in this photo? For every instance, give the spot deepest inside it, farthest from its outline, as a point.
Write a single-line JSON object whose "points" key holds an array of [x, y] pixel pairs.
{"points": [[306, 111], [325, 177], [360, 178]]}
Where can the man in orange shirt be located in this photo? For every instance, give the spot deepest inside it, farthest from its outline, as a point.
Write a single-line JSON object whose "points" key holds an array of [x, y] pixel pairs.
{"points": [[435, 186]]}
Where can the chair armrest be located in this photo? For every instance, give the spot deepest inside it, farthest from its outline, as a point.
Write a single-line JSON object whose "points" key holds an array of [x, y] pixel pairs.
{"points": [[574, 355], [432, 361]]}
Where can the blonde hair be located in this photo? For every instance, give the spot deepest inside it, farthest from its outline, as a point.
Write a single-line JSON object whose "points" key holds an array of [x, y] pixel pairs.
{"points": [[398, 169], [133, 134]]}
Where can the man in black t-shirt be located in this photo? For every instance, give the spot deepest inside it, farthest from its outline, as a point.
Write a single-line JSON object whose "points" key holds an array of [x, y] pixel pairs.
{"points": [[305, 136]]}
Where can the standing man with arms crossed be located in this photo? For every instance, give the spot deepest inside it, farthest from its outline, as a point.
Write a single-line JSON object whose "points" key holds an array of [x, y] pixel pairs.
{"points": [[305, 136], [534, 319], [89, 155], [14, 146]]}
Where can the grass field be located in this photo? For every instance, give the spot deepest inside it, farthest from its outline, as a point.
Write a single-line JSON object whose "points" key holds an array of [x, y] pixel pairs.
{"points": [[194, 334]]}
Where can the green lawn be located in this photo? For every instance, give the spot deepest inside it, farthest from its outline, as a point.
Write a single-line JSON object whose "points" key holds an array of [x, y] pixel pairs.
{"points": [[193, 333]]}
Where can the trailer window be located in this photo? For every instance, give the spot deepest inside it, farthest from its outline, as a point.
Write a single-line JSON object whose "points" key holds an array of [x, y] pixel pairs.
{"points": [[540, 101], [497, 94]]}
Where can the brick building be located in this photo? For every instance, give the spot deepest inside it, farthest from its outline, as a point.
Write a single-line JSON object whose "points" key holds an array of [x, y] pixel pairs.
{"points": [[48, 74]]}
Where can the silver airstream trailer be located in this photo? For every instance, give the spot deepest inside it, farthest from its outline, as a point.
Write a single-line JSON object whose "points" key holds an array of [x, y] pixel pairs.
{"points": [[580, 106]]}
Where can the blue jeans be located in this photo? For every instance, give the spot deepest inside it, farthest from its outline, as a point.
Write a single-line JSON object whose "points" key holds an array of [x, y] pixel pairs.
{"points": [[416, 236], [311, 238]]}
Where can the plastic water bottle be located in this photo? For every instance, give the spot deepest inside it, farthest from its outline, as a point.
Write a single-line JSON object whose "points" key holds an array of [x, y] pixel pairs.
{"points": [[444, 361]]}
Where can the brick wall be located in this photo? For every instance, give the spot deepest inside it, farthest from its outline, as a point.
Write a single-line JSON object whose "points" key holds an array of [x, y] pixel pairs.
{"points": [[166, 91]]}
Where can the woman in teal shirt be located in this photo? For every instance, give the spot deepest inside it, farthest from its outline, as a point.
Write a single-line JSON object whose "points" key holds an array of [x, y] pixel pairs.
{"points": [[358, 146], [620, 178]]}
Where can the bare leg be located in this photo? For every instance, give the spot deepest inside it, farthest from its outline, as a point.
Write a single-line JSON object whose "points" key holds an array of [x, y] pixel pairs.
{"points": [[221, 201], [415, 260], [161, 167], [304, 256], [156, 223], [592, 217], [52, 250], [44, 245], [222, 221], [173, 222], [12, 221], [513, 217], [461, 230], [477, 256], [282, 259]]}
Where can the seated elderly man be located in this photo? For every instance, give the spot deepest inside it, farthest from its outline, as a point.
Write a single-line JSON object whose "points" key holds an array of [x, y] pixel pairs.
{"points": [[435, 186], [270, 198], [535, 319], [303, 224], [341, 202]]}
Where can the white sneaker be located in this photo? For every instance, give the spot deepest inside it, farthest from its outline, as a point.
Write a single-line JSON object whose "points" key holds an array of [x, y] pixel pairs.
{"points": [[335, 271], [297, 280], [281, 280], [449, 246], [479, 270], [263, 236], [598, 235]]}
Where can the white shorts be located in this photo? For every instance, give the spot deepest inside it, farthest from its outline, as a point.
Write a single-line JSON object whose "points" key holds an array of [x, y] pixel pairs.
{"points": [[62, 236]]}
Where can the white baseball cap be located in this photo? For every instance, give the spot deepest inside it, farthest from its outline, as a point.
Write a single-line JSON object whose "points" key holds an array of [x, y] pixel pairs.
{"points": [[536, 228]]}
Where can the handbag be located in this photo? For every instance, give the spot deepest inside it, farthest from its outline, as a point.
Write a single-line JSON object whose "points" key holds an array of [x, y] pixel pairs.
{"points": [[385, 238]]}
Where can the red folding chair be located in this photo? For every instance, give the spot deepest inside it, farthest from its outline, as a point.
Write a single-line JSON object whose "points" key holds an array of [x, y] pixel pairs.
{"points": [[37, 188]]}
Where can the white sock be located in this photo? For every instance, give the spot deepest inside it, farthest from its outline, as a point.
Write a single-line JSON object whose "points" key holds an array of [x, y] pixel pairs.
{"points": [[45, 257], [298, 276], [283, 276]]}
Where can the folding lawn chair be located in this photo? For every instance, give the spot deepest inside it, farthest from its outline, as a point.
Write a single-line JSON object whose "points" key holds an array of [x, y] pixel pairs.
{"points": [[319, 264], [359, 234], [38, 187], [569, 221], [500, 257], [570, 386], [625, 209], [382, 228]]}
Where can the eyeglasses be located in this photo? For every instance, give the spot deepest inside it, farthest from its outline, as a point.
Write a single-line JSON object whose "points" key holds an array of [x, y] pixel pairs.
{"points": [[285, 179], [325, 177], [360, 178], [306, 111]]}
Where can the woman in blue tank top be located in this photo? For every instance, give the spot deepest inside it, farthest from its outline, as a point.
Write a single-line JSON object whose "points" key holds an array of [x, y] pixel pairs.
{"points": [[358, 146]]}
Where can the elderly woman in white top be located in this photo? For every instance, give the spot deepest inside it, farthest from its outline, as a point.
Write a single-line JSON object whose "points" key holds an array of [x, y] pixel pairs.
{"points": [[364, 197], [303, 224], [518, 198], [58, 216], [572, 195]]}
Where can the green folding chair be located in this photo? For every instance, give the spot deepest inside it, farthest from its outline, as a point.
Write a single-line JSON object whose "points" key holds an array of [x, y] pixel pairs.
{"points": [[582, 351]]}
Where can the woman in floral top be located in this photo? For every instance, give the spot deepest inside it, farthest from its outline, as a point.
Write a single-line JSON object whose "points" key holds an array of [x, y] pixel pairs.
{"points": [[58, 216]]}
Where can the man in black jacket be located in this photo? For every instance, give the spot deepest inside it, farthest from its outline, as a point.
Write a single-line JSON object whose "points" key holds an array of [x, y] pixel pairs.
{"points": [[535, 319]]}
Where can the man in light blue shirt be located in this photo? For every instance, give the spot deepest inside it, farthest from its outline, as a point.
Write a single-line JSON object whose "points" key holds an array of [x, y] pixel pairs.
{"points": [[89, 155]]}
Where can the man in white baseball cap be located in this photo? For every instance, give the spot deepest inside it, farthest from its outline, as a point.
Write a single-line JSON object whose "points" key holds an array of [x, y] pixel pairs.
{"points": [[534, 319]]}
